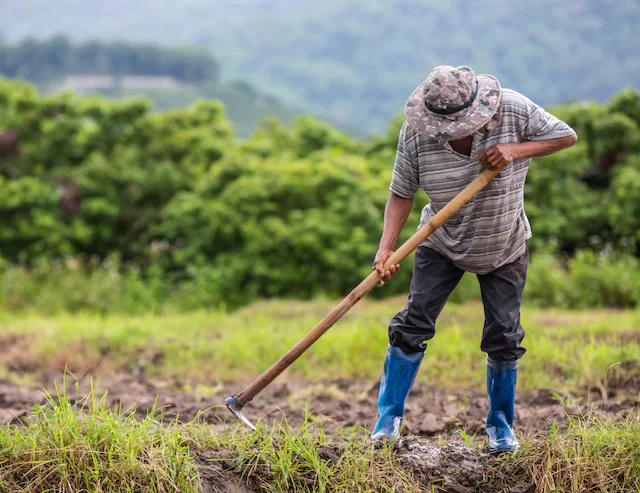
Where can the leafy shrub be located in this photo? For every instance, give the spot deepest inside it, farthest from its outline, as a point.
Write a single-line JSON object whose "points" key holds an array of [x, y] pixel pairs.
{"points": [[590, 280], [546, 282], [170, 208], [73, 285]]}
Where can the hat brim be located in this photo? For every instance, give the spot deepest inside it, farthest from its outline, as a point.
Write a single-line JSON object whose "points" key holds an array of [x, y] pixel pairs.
{"points": [[457, 125]]}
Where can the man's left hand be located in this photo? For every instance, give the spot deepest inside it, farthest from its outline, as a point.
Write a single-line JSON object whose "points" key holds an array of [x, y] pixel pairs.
{"points": [[498, 156]]}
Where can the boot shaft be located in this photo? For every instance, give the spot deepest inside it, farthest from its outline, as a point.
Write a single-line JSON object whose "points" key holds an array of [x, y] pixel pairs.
{"points": [[398, 376], [501, 388]]}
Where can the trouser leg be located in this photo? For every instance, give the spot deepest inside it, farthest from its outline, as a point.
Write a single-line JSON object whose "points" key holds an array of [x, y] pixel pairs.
{"points": [[501, 340], [502, 296], [434, 277]]}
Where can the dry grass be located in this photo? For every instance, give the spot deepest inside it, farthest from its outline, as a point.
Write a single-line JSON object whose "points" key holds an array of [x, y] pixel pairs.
{"points": [[595, 454]]}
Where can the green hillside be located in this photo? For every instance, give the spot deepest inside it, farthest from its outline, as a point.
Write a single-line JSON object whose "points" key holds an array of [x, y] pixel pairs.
{"points": [[168, 77], [355, 61], [245, 106]]}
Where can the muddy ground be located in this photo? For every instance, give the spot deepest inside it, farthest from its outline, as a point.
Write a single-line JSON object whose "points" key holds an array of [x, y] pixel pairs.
{"points": [[432, 416], [430, 412]]}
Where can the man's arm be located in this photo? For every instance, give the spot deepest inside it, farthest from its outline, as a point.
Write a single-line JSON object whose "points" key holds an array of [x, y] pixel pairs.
{"points": [[502, 154], [542, 134], [405, 181], [396, 213]]}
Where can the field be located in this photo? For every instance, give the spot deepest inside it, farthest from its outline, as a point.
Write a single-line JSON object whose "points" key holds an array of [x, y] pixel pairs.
{"points": [[134, 403]]}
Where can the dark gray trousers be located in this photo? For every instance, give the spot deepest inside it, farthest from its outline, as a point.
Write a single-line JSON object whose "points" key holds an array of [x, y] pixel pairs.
{"points": [[435, 277]]}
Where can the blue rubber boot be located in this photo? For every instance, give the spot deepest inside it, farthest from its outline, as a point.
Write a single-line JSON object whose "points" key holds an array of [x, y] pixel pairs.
{"points": [[501, 386], [400, 370]]}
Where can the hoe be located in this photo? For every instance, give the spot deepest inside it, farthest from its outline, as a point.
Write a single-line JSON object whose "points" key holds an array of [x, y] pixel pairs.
{"points": [[236, 402]]}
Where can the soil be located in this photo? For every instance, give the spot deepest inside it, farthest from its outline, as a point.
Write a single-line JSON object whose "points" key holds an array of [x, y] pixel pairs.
{"points": [[432, 418], [218, 476], [430, 412]]}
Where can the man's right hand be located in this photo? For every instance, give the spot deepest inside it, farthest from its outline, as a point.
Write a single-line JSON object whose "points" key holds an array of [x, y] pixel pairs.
{"points": [[378, 265]]}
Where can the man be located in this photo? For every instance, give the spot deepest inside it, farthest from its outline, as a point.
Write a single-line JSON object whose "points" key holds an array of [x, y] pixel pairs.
{"points": [[458, 123]]}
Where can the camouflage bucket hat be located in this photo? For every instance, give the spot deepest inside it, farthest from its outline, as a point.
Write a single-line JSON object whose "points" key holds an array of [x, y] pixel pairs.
{"points": [[453, 103]]}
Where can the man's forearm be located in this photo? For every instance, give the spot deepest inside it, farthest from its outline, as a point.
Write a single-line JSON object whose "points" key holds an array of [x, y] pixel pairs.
{"points": [[395, 216], [541, 148], [500, 155]]}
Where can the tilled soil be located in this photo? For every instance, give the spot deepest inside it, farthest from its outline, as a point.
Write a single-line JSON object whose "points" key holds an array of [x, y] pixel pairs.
{"points": [[430, 412], [341, 404]]}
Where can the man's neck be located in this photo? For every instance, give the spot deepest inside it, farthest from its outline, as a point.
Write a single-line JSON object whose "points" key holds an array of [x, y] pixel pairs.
{"points": [[463, 145]]}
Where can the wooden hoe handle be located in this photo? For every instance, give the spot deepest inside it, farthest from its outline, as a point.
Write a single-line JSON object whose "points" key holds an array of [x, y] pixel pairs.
{"points": [[365, 286]]}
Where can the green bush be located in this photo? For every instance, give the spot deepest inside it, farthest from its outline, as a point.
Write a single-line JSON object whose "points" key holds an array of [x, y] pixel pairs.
{"points": [[590, 280], [547, 282], [74, 286], [175, 201]]}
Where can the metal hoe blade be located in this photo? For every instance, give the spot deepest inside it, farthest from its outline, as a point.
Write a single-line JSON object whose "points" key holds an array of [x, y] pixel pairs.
{"points": [[235, 406]]}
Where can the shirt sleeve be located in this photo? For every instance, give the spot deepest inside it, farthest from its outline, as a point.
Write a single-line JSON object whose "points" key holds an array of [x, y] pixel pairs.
{"points": [[405, 180], [538, 124]]}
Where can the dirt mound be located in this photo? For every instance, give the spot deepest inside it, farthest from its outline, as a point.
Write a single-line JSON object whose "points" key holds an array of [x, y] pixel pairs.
{"points": [[456, 468]]}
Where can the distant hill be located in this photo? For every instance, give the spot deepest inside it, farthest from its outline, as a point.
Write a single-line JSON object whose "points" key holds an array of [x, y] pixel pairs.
{"points": [[356, 61], [170, 77]]}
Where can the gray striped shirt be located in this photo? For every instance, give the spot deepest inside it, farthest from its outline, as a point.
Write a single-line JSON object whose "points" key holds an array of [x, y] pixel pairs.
{"points": [[492, 229]]}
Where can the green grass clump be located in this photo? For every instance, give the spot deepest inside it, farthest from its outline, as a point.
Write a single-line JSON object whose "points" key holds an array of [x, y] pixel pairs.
{"points": [[70, 449], [594, 454]]}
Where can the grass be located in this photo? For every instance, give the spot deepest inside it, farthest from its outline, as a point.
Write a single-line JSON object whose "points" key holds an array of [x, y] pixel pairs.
{"points": [[281, 458], [567, 350], [71, 448], [85, 447]]}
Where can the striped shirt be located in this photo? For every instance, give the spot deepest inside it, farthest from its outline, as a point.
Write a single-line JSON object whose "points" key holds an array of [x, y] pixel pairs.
{"points": [[492, 229]]}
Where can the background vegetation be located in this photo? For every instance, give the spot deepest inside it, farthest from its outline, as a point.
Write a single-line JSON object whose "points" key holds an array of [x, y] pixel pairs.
{"points": [[569, 351], [355, 62], [50, 60], [128, 208]]}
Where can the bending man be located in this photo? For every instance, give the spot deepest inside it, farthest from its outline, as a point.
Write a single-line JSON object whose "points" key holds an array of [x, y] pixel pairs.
{"points": [[458, 122]]}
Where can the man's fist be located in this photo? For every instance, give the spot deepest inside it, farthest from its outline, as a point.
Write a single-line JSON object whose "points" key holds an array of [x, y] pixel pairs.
{"points": [[378, 265], [498, 156]]}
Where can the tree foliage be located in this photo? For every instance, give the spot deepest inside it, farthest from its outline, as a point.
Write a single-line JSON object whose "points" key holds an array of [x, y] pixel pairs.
{"points": [[287, 212], [42, 61]]}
